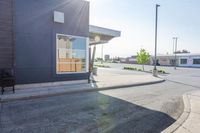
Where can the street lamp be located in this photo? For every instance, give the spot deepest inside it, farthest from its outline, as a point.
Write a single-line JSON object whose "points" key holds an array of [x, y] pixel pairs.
{"points": [[102, 54], [155, 72], [175, 43]]}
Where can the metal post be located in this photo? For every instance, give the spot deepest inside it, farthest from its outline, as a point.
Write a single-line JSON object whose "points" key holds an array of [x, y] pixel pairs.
{"points": [[102, 54], [173, 47], [175, 63], [156, 29], [93, 57], [90, 64]]}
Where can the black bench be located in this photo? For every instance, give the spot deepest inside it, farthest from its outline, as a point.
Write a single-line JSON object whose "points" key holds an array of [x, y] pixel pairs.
{"points": [[7, 79]]}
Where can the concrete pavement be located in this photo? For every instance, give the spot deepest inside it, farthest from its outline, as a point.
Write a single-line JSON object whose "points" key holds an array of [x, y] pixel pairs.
{"points": [[192, 123], [111, 78], [106, 79], [189, 121], [141, 109]]}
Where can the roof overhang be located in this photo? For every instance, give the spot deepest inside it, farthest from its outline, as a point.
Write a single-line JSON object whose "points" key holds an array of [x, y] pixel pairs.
{"points": [[104, 35]]}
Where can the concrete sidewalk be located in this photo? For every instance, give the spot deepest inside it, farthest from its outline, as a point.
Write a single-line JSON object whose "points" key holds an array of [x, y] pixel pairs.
{"points": [[192, 123], [189, 121], [106, 79]]}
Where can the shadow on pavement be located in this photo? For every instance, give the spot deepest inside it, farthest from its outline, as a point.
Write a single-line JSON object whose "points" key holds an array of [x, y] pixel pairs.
{"points": [[82, 112]]}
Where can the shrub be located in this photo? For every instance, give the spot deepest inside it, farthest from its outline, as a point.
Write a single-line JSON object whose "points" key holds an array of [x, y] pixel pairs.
{"points": [[130, 68], [161, 71], [102, 66]]}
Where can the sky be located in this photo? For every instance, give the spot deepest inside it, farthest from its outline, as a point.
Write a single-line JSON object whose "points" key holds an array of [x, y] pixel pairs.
{"points": [[136, 21]]}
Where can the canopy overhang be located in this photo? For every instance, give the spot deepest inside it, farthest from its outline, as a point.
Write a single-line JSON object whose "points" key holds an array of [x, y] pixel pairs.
{"points": [[99, 35]]}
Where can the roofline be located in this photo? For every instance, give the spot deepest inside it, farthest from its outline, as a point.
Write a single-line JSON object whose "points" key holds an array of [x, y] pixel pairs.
{"points": [[104, 31], [189, 54]]}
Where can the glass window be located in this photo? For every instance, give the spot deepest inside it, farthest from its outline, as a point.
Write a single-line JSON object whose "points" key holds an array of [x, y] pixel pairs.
{"points": [[196, 61], [183, 61], [172, 62], [71, 54]]}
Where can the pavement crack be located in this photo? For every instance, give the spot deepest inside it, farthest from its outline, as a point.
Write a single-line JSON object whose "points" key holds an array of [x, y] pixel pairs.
{"points": [[198, 87], [186, 129], [195, 95], [196, 113]]}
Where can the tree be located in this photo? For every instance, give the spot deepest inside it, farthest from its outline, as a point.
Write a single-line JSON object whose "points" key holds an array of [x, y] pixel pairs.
{"points": [[143, 57]]}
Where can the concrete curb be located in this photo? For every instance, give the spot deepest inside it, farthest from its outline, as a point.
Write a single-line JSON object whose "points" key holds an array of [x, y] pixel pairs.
{"points": [[128, 85], [78, 91], [182, 118]]}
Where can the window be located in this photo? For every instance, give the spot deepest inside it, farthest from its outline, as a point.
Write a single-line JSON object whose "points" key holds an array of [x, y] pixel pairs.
{"points": [[71, 54], [196, 61], [172, 62], [183, 61]]}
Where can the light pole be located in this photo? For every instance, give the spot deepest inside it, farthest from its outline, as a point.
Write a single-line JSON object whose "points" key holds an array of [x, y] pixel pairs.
{"points": [[155, 73], [102, 54], [175, 41]]}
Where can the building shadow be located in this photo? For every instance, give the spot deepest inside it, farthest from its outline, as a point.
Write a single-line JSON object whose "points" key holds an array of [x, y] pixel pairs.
{"points": [[89, 112]]}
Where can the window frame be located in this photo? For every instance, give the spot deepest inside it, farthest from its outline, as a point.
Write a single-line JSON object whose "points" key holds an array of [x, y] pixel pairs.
{"points": [[183, 63], [86, 55]]}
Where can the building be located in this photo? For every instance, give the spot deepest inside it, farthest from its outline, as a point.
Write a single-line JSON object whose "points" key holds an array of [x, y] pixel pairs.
{"points": [[182, 60], [122, 60], [48, 40], [106, 57], [132, 60]]}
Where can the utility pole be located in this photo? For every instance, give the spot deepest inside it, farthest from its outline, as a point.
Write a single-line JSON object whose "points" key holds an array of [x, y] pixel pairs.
{"points": [[173, 47], [102, 54], [155, 72], [175, 41]]}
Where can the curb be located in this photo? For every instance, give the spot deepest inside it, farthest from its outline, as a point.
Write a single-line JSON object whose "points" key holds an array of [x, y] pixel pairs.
{"points": [[182, 118], [128, 85], [77, 91]]}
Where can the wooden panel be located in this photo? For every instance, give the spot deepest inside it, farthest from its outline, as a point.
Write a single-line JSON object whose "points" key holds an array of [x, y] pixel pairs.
{"points": [[6, 34], [69, 65], [64, 68], [73, 65]]}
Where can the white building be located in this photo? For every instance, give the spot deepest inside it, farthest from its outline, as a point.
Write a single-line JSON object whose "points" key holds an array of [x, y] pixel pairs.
{"points": [[182, 60]]}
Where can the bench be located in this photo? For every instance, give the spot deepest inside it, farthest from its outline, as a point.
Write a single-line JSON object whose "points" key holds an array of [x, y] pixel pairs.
{"points": [[7, 79]]}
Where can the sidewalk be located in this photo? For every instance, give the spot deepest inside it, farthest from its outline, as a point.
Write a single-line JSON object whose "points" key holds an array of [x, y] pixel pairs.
{"points": [[106, 79], [189, 121], [192, 123]]}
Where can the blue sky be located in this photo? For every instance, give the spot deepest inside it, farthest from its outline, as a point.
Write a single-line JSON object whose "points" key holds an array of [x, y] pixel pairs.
{"points": [[136, 20]]}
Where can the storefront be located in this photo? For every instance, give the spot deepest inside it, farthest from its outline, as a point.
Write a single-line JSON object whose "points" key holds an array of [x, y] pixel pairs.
{"points": [[49, 40]]}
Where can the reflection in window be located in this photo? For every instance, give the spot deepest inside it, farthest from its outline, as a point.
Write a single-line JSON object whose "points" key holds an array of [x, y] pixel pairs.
{"points": [[71, 54], [196, 61], [183, 61]]}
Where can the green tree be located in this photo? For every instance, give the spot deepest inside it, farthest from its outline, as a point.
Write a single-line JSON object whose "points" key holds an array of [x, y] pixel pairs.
{"points": [[143, 57]]}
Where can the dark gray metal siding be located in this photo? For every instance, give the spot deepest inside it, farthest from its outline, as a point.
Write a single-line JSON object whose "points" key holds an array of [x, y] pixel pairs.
{"points": [[6, 34], [36, 37]]}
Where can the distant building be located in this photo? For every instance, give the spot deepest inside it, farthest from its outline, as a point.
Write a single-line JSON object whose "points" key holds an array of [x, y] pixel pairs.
{"points": [[107, 57], [182, 60], [132, 60], [123, 60], [182, 52]]}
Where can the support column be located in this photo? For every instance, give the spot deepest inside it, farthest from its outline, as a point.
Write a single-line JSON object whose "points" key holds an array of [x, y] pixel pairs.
{"points": [[93, 56]]}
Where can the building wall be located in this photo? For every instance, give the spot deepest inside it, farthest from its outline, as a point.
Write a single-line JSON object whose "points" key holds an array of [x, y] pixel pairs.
{"points": [[36, 37], [6, 34], [167, 60], [189, 61]]}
